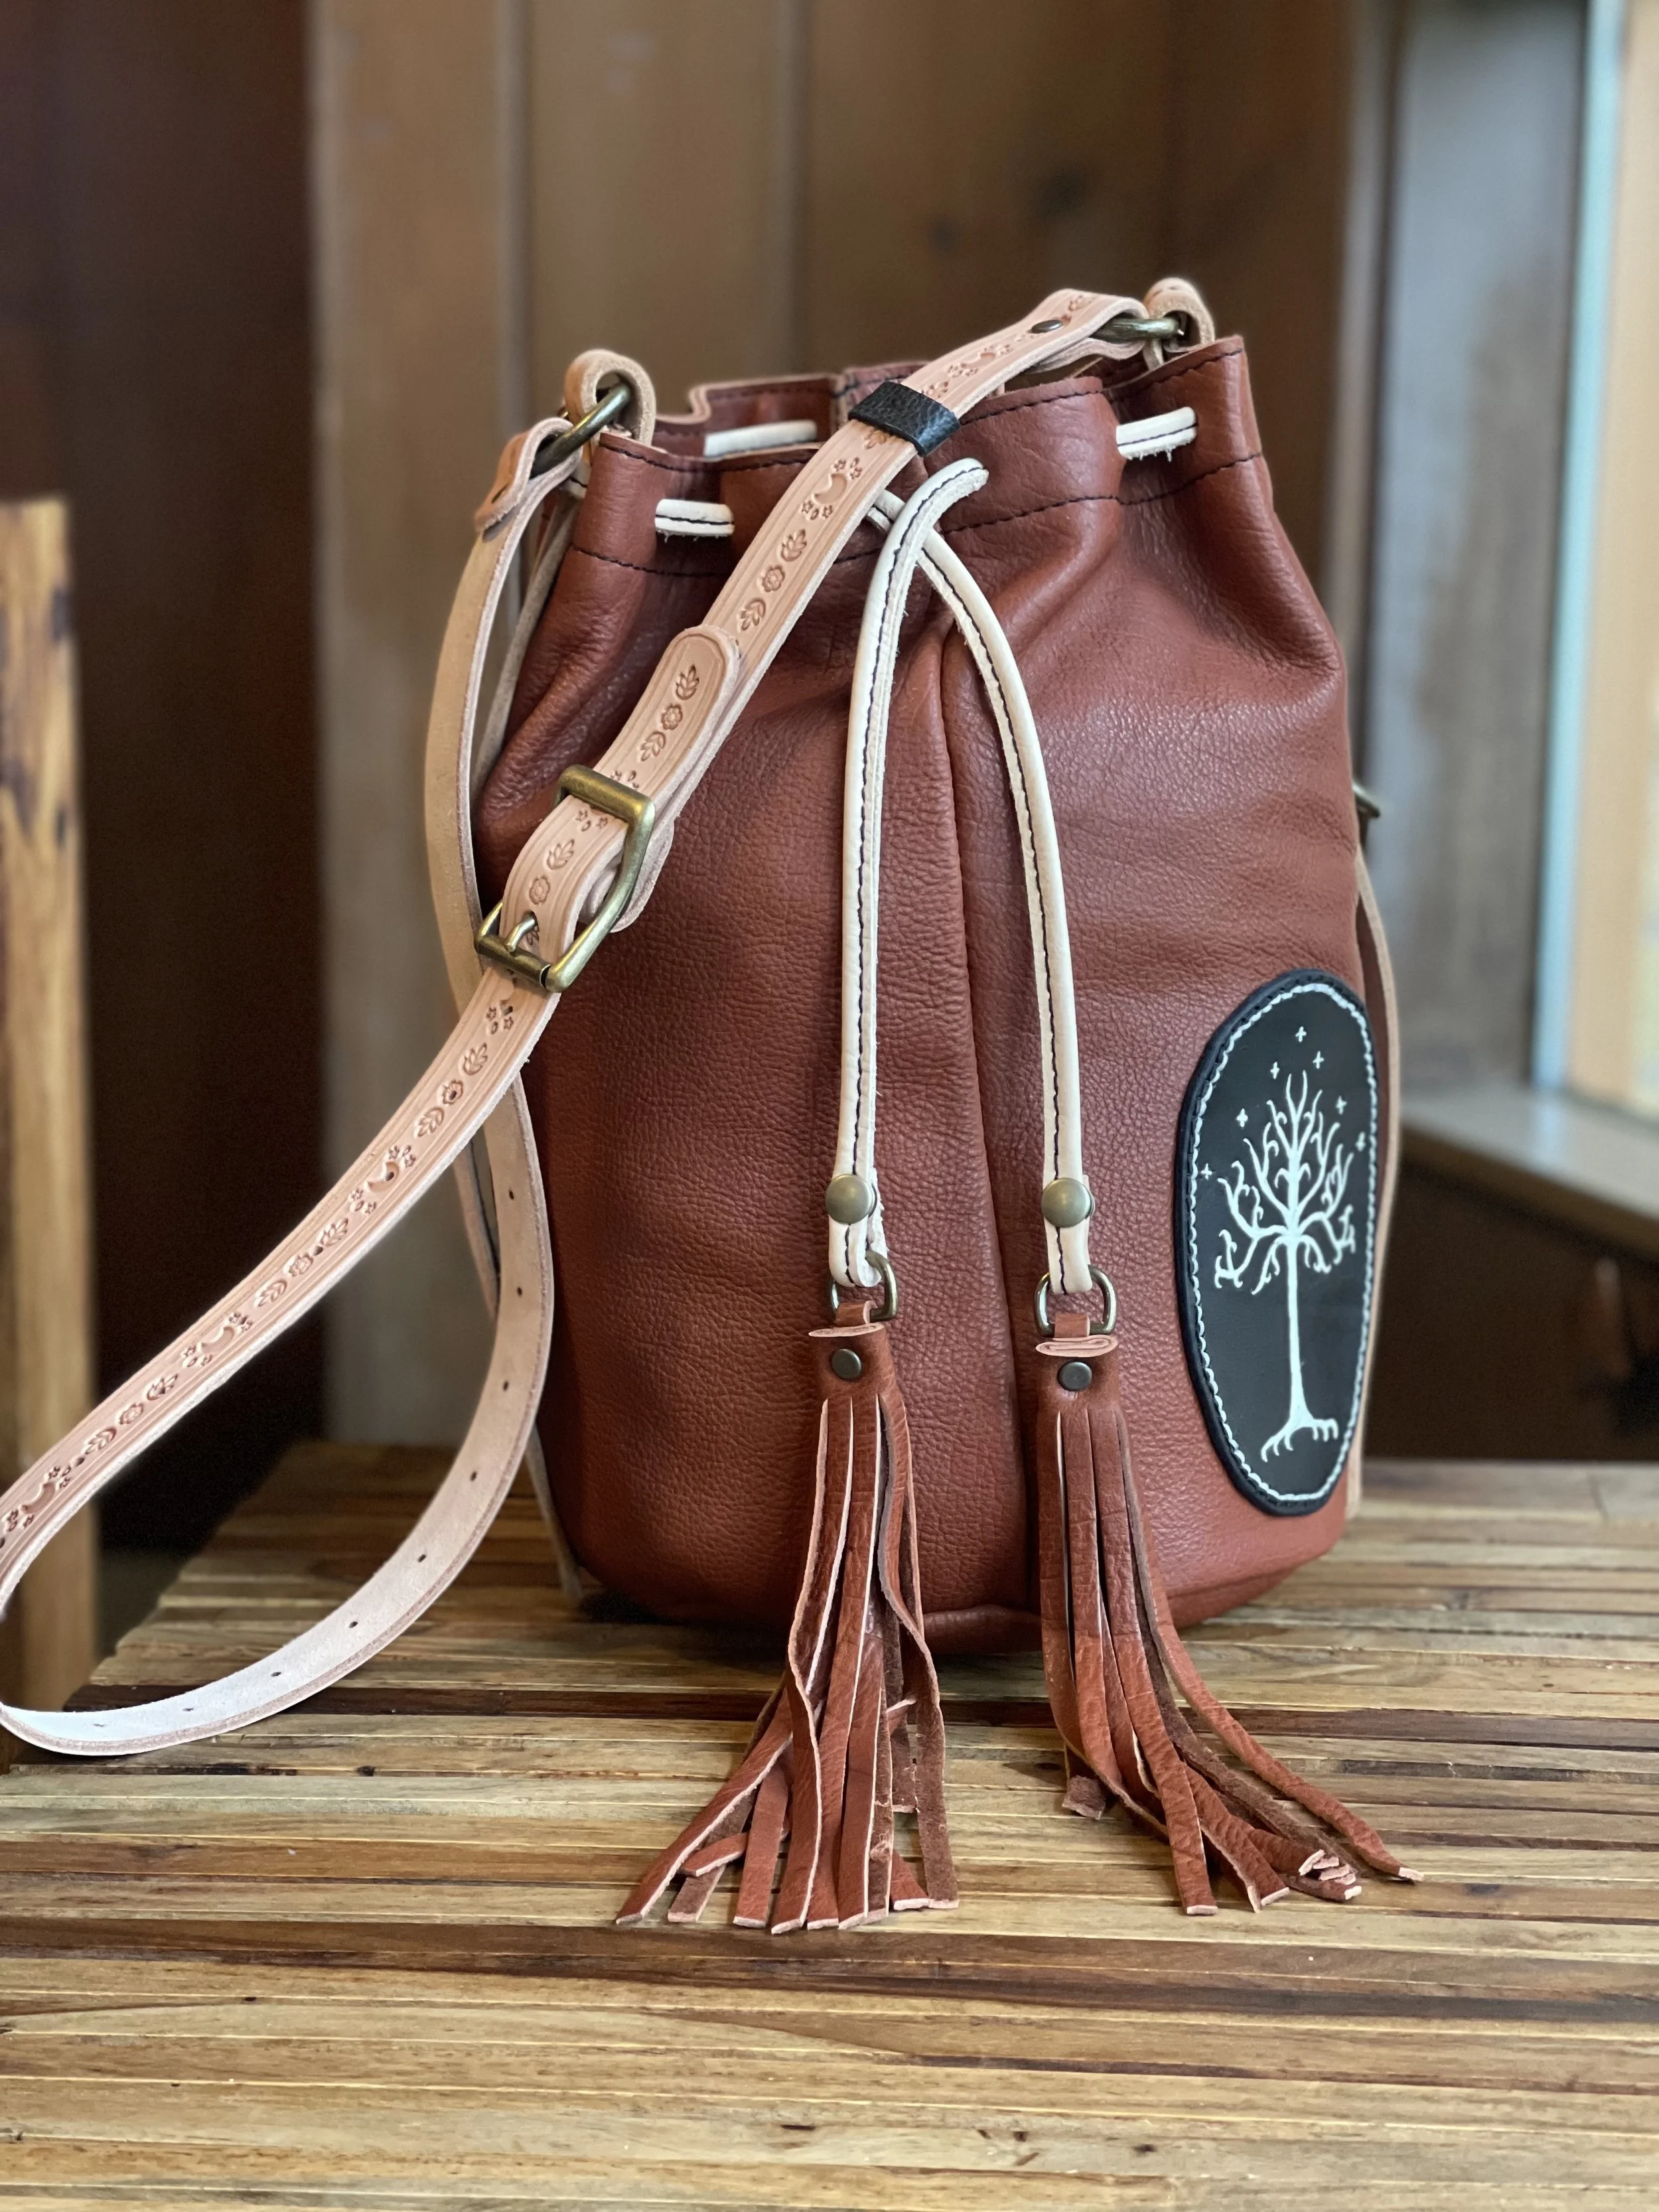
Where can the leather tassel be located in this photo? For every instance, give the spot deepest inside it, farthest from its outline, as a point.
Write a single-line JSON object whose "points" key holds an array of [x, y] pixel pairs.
{"points": [[854, 1735], [1114, 1663]]}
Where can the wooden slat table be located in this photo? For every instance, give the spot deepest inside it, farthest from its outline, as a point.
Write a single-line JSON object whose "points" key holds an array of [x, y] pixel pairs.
{"points": [[360, 1956]]}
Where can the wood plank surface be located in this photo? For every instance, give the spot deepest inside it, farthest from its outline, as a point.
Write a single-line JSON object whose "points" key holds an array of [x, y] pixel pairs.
{"points": [[49, 1638], [361, 1955]]}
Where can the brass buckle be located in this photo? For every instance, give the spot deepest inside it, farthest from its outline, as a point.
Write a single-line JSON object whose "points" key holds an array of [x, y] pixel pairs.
{"points": [[606, 796]]}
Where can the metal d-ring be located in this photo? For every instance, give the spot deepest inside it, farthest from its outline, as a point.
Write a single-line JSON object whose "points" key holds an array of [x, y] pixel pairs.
{"points": [[1103, 1283], [883, 1267], [599, 417], [1144, 330]]}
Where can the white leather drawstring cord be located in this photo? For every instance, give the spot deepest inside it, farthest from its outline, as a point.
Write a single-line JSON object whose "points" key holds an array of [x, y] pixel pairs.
{"points": [[853, 1200], [1065, 1200], [1146, 437]]}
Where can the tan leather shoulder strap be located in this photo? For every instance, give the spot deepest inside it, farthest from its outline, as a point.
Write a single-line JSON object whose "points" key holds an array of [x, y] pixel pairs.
{"points": [[457, 761], [432, 1126], [691, 703]]}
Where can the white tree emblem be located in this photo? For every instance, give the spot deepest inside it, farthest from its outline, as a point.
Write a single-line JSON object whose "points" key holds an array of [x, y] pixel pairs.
{"points": [[1288, 1207]]}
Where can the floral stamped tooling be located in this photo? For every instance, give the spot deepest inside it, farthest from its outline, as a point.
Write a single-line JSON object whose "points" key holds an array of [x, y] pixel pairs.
{"points": [[233, 1322]]}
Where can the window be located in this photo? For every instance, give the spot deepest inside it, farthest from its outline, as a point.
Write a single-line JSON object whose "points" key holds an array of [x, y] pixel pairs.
{"points": [[1597, 1029]]}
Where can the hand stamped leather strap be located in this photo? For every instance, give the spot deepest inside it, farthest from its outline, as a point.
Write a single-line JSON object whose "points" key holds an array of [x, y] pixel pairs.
{"points": [[474, 1072], [457, 759], [689, 705]]}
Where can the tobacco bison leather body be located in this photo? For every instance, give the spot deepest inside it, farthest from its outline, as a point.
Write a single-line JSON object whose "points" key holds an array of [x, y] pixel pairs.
{"points": [[1189, 697]]}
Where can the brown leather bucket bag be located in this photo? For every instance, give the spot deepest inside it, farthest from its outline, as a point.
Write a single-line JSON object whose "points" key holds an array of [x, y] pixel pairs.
{"points": [[1033, 790]]}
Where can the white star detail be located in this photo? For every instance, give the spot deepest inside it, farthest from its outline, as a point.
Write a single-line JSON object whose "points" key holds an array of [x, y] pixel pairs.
{"points": [[1208, 1172], [1273, 1070], [1300, 1035], [1243, 1117], [1342, 1105], [1319, 1060], [1359, 1144]]}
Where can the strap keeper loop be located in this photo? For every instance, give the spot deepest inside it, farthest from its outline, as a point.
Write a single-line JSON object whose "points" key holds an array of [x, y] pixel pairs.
{"points": [[904, 412]]}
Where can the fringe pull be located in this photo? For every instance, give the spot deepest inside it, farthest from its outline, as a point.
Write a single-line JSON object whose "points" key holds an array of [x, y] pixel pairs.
{"points": [[853, 1735], [1114, 1662]]}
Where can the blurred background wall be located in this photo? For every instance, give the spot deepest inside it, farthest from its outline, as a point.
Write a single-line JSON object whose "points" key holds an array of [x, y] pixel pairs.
{"points": [[277, 281], [720, 187], [155, 366]]}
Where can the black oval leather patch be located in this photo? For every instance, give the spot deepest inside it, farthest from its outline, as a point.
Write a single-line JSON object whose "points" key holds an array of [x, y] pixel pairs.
{"points": [[1276, 1194]]}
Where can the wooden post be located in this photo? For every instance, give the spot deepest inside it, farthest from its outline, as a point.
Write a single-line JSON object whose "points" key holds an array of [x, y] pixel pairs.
{"points": [[48, 1643]]}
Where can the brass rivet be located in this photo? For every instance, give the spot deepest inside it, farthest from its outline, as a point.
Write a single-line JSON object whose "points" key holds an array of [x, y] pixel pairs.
{"points": [[849, 1199], [1054, 323], [1076, 1375], [846, 1363], [1067, 1203]]}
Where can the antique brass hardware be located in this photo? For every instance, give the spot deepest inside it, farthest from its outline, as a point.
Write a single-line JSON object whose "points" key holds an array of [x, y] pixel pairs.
{"points": [[606, 796]]}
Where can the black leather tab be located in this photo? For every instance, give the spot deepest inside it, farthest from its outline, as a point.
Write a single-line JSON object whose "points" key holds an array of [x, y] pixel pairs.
{"points": [[907, 413]]}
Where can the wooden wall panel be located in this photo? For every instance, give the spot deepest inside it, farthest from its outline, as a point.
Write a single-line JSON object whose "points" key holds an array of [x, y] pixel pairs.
{"points": [[999, 152], [417, 302], [1255, 190], [155, 366], [721, 187], [30, 440], [964, 157], [663, 187], [1473, 381], [1345, 567], [48, 1639]]}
